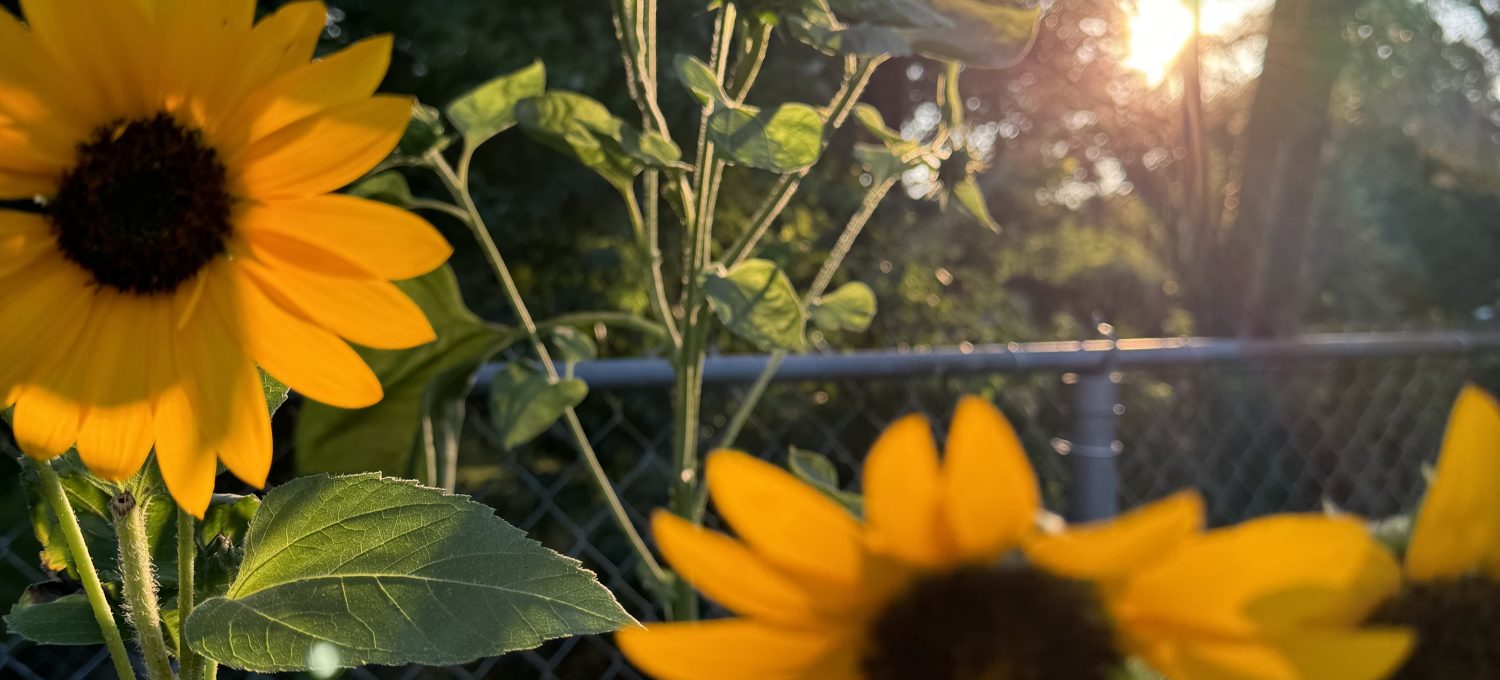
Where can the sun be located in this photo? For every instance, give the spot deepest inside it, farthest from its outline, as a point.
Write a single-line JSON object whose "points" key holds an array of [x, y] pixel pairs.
{"points": [[1158, 31]]}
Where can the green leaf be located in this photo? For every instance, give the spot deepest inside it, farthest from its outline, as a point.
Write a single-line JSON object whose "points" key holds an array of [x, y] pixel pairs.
{"points": [[699, 80], [67, 620], [372, 570], [275, 391], [881, 161], [584, 129], [573, 345], [971, 203], [382, 437], [785, 140], [985, 33], [229, 520], [905, 13], [865, 40], [387, 187], [870, 119], [524, 403], [850, 308], [820, 473], [424, 132], [490, 109], [756, 301], [90, 498]]}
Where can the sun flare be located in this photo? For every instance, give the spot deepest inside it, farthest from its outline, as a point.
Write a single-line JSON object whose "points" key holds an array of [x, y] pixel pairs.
{"points": [[1158, 31]]}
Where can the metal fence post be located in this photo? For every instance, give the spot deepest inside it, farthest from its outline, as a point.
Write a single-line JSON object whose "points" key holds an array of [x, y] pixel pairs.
{"points": [[1095, 491]]}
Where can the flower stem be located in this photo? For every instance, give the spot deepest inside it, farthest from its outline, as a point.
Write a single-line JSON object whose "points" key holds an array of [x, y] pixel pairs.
{"points": [[187, 551], [481, 232], [73, 535], [144, 611]]}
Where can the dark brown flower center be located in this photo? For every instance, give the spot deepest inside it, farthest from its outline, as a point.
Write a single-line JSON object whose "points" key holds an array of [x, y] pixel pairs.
{"points": [[1457, 624], [145, 207], [1003, 623]]}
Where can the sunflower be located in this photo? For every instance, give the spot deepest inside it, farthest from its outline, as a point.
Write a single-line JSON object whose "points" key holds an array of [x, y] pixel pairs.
{"points": [[1451, 595], [181, 157], [948, 578]]}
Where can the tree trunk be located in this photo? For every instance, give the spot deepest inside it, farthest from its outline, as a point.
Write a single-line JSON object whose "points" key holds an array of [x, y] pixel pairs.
{"points": [[1259, 262]]}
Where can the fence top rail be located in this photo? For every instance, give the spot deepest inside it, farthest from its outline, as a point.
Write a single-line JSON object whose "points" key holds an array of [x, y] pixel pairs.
{"points": [[1075, 356]]}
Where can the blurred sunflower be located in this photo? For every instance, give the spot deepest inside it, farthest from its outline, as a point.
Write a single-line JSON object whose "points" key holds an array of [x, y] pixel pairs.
{"points": [[183, 156], [948, 579], [1452, 592]]}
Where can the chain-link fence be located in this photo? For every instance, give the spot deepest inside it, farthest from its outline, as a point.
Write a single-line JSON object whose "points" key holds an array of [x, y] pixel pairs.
{"points": [[1347, 421]]}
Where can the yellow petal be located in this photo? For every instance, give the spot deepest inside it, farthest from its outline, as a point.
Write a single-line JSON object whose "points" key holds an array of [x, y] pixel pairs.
{"points": [[368, 312], [389, 242], [42, 325], [1457, 530], [346, 76], [278, 43], [1308, 655], [903, 495], [53, 114], [304, 356], [114, 441], [786, 522], [728, 573], [992, 496], [223, 386], [732, 649], [1273, 573], [324, 151], [187, 470], [106, 48], [24, 237], [45, 424], [1113, 549]]}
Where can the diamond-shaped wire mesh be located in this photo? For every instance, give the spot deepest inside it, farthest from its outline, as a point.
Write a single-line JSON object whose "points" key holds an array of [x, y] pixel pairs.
{"points": [[1259, 436]]}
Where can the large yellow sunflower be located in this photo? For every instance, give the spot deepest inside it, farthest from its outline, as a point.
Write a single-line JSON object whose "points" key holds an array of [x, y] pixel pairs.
{"points": [[182, 157], [1451, 596], [947, 578]]}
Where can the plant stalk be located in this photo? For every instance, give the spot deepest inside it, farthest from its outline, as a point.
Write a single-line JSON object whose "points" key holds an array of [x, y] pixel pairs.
{"points": [[188, 663], [481, 234], [820, 284], [144, 610], [93, 588]]}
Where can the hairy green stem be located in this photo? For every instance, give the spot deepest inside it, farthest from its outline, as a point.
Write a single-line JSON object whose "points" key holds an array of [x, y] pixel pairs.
{"points": [[820, 284], [139, 583], [187, 554], [481, 232], [93, 588], [648, 239]]}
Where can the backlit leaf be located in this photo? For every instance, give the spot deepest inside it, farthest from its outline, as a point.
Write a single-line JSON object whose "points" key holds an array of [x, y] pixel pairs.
{"points": [[370, 570], [756, 301], [786, 139], [525, 403], [850, 308], [490, 109]]}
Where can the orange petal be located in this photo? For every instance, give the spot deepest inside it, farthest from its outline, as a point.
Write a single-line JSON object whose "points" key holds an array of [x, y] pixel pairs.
{"points": [[368, 312], [1113, 549], [1457, 530], [903, 495], [346, 76], [388, 242], [186, 467], [786, 522], [309, 359], [1324, 655], [106, 48], [45, 425], [42, 325], [728, 573], [323, 152], [992, 497], [731, 649], [114, 441]]}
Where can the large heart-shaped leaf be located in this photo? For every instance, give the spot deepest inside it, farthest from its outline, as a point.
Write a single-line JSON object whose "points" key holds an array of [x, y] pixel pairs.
{"points": [[524, 403], [490, 109], [370, 570], [786, 139], [850, 308], [756, 301], [382, 437]]}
